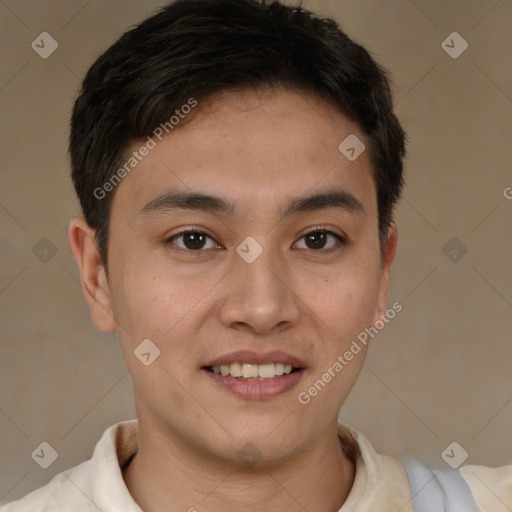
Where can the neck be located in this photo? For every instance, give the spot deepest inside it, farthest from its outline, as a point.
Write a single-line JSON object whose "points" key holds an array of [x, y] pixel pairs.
{"points": [[167, 474]]}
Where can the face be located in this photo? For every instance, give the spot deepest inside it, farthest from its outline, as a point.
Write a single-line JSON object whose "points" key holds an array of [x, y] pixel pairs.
{"points": [[244, 242]]}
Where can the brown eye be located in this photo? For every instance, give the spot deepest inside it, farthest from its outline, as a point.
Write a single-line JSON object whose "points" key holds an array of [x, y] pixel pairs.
{"points": [[193, 241], [321, 239], [316, 240]]}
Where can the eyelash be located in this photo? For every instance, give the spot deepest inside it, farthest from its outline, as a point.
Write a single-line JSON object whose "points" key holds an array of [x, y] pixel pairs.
{"points": [[341, 240]]}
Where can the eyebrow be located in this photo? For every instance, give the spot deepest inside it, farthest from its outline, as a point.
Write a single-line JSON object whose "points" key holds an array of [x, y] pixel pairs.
{"points": [[173, 200]]}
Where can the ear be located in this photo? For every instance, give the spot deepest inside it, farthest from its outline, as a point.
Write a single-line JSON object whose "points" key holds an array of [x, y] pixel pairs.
{"points": [[93, 277], [387, 258]]}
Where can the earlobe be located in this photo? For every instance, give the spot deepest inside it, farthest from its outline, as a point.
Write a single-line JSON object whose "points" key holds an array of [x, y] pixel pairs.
{"points": [[93, 278]]}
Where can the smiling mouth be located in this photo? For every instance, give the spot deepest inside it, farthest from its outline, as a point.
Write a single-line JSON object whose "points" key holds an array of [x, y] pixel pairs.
{"points": [[245, 371]]}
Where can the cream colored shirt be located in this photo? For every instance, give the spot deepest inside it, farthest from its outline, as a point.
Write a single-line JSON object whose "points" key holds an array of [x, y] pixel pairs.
{"points": [[380, 484]]}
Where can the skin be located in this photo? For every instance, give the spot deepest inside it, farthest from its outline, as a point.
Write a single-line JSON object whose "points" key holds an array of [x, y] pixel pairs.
{"points": [[257, 150]]}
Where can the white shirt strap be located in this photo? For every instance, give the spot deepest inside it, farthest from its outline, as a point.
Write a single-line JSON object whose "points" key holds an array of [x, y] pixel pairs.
{"points": [[438, 490]]}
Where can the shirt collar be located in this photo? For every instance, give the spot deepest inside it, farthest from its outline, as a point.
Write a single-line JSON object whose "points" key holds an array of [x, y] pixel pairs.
{"points": [[378, 479], [116, 446]]}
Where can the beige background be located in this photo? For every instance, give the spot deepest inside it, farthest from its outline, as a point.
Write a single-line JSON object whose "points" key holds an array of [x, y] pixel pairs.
{"points": [[440, 372]]}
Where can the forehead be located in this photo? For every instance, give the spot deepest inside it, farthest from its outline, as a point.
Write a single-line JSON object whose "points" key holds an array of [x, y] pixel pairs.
{"points": [[257, 147]]}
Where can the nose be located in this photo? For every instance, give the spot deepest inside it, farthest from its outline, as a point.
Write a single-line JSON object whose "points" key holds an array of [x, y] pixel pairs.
{"points": [[259, 298]]}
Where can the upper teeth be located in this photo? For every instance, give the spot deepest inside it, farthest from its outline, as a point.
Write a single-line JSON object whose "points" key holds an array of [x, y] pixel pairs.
{"points": [[253, 371]]}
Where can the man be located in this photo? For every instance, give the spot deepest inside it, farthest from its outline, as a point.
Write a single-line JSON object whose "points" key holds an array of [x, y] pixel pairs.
{"points": [[238, 163]]}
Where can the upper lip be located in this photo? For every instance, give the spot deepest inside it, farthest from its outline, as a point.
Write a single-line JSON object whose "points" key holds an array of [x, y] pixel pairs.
{"points": [[251, 357]]}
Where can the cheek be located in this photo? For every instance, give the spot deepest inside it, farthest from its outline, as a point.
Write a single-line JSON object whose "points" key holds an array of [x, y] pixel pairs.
{"points": [[341, 307], [160, 303], [156, 306], [344, 300]]}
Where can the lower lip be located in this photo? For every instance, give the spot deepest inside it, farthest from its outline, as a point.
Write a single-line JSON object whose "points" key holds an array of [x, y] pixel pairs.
{"points": [[257, 389]]}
